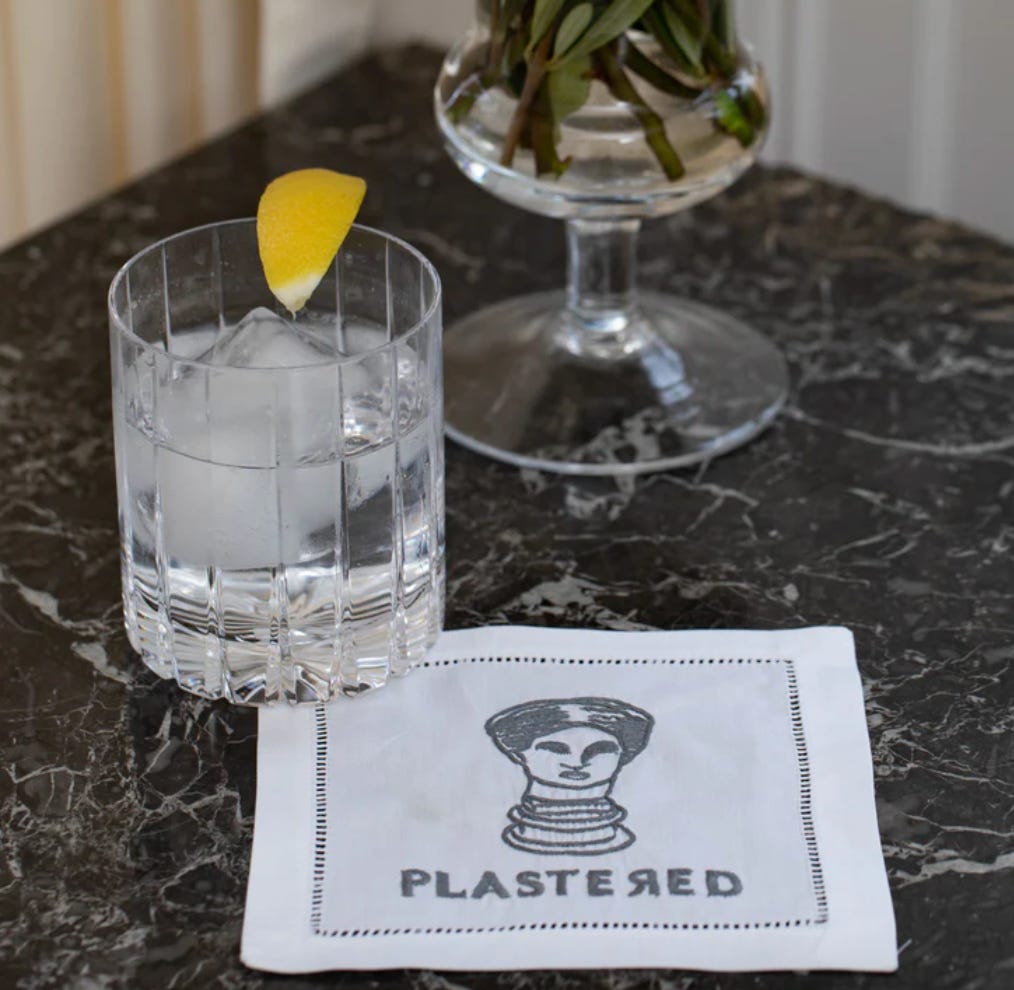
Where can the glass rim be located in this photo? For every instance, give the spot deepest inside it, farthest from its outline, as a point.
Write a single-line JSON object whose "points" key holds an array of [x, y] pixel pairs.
{"points": [[123, 330]]}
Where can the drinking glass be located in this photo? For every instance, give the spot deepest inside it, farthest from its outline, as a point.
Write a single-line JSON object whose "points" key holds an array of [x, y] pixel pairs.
{"points": [[280, 479]]}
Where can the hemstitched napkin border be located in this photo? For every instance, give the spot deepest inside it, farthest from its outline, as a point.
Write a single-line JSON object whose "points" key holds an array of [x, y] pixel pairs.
{"points": [[805, 811]]}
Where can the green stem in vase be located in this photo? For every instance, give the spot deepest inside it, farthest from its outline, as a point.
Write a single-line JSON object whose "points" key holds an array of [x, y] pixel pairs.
{"points": [[501, 17], [464, 97], [654, 130], [639, 63], [497, 36], [716, 56], [657, 27], [738, 111], [723, 23], [730, 118], [533, 79], [544, 54], [543, 138]]}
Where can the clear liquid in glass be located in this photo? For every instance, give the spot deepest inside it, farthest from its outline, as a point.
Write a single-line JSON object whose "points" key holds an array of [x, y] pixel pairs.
{"points": [[291, 556]]}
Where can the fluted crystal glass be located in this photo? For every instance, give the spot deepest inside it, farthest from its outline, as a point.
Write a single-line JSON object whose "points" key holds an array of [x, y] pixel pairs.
{"points": [[280, 479]]}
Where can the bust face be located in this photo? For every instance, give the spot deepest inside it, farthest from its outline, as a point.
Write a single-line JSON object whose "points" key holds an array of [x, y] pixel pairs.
{"points": [[575, 757]]}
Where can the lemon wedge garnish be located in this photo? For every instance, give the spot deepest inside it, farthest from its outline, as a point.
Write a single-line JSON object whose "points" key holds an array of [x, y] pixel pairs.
{"points": [[302, 219]]}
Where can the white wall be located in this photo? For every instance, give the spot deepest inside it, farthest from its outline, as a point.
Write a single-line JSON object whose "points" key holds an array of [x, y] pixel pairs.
{"points": [[304, 40], [439, 21], [910, 99]]}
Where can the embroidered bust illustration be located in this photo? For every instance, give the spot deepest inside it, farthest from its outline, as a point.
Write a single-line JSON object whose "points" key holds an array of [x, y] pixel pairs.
{"points": [[571, 751]]}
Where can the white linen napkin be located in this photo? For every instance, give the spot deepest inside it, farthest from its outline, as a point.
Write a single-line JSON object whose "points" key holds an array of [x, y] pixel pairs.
{"points": [[534, 798]]}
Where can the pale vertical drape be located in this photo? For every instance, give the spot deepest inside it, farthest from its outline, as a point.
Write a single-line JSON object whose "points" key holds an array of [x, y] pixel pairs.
{"points": [[95, 91]]}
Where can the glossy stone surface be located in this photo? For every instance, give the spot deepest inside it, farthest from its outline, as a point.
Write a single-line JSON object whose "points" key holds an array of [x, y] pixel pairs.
{"points": [[883, 499]]}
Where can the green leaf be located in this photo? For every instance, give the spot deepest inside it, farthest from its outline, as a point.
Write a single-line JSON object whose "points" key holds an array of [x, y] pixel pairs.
{"points": [[568, 87], [689, 43], [655, 23], [729, 117], [542, 19], [716, 57], [752, 106], [572, 28], [723, 23], [652, 73], [616, 18]]}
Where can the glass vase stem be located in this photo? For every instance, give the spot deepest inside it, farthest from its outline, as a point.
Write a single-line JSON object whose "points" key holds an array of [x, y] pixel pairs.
{"points": [[601, 276]]}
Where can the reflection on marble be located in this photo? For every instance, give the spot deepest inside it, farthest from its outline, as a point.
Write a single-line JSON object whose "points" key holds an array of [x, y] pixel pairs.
{"points": [[883, 499]]}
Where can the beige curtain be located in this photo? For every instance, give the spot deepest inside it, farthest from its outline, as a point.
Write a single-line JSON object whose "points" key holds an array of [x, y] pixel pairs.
{"points": [[95, 91]]}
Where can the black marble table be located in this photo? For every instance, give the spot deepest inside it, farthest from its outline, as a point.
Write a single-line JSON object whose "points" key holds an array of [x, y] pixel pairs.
{"points": [[882, 499]]}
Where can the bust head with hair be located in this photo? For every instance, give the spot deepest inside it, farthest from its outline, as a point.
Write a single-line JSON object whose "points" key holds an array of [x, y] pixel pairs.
{"points": [[571, 750], [572, 743]]}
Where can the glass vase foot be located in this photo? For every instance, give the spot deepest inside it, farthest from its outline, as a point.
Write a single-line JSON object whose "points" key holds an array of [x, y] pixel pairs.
{"points": [[676, 383]]}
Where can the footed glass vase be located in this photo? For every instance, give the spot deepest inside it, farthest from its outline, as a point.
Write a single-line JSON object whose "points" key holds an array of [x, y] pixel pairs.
{"points": [[604, 115]]}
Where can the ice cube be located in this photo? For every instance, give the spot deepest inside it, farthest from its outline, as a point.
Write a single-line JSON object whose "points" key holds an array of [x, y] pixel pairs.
{"points": [[263, 339], [266, 393]]}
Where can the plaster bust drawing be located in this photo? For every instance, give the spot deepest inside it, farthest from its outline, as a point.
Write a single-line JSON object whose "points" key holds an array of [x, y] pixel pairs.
{"points": [[572, 751]]}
